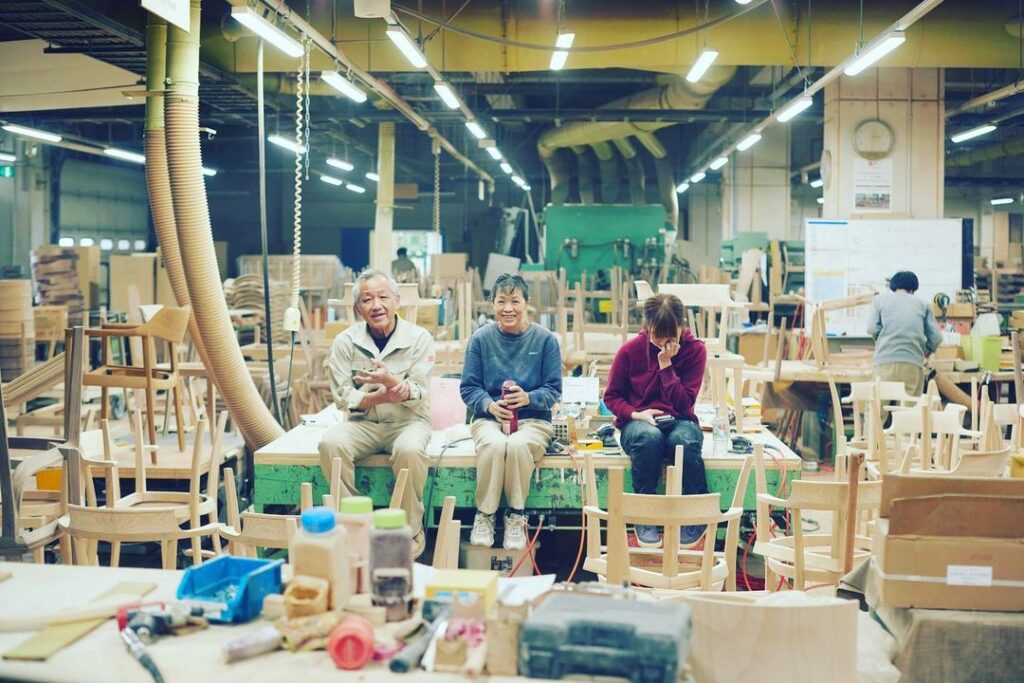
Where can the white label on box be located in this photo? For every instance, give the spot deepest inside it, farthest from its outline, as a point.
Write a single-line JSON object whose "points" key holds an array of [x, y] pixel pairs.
{"points": [[968, 575]]}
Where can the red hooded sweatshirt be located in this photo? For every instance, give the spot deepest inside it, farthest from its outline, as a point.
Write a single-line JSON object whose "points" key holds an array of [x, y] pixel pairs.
{"points": [[636, 383]]}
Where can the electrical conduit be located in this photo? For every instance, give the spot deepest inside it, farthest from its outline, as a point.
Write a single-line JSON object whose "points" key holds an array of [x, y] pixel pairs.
{"points": [[195, 237], [158, 182]]}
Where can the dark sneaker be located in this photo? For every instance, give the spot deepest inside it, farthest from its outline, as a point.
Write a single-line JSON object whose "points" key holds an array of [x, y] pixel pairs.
{"points": [[688, 535], [648, 536]]}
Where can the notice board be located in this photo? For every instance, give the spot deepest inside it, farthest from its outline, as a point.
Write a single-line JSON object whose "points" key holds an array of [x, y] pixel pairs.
{"points": [[844, 258]]}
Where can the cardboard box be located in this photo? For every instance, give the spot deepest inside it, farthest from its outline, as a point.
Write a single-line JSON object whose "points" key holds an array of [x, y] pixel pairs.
{"points": [[954, 551], [496, 559], [949, 352], [465, 584], [915, 486], [132, 271]]}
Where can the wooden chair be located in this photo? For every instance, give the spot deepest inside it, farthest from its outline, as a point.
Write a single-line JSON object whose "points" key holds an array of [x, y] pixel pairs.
{"points": [[247, 531], [168, 325], [446, 543], [970, 464], [816, 557], [709, 301], [675, 569], [912, 430]]}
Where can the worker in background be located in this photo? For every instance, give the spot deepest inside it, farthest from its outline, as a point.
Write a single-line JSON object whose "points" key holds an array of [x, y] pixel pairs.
{"points": [[652, 387], [904, 331], [403, 269], [380, 373], [527, 357]]}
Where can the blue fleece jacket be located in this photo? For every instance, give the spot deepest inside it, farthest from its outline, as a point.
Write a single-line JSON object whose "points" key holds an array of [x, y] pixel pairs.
{"points": [[531, 359]]}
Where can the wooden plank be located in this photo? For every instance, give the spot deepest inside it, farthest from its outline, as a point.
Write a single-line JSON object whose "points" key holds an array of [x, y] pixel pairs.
{"points": [[54, 638]]}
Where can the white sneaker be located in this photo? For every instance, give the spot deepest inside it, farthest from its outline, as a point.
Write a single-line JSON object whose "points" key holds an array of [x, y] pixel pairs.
{"points": [[483, 530], [515, 531]]}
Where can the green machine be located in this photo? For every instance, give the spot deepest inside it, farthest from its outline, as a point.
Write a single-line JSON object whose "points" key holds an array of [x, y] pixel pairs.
{"points": [[593, 237]]}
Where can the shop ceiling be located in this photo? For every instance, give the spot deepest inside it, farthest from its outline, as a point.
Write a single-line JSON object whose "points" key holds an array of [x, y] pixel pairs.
{"points": [[48, 76]]}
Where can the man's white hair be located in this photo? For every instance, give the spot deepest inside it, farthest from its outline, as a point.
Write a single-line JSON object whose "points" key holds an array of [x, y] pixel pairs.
{"points": [[369, 274]]}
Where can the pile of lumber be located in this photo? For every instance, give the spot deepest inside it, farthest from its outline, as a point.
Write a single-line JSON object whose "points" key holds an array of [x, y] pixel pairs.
{"points": [[17, 331], [57, 282]]}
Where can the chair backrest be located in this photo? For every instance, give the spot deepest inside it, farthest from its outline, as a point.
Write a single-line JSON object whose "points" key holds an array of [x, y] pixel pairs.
{"points": [[247, 531], [982, 463], [643, 290], [123, 524], [169, 324], [885, 391], [700, 296]]}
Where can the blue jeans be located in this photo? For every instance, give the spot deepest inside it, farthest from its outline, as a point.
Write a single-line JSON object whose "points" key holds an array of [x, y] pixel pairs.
{"points": [[648, 447]]}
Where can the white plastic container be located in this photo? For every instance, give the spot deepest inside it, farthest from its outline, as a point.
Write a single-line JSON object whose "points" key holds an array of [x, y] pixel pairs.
{"points": [[321, 548], [356, 515]]}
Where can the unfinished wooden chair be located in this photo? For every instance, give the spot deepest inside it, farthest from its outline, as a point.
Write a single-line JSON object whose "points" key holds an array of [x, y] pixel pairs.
{"points": [[822, 557], [709, 301], [247, 531], [167, 325], [669, 568], [993, 463], [933, 435], [446, 543]]}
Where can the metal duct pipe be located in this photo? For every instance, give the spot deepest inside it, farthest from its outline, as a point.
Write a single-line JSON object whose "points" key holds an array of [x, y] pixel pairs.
{"points": [[585, 175], [608, 172], [158, 182], [192, 216], [667, 191], [1007, 148], [557, 163], [637, 178]]}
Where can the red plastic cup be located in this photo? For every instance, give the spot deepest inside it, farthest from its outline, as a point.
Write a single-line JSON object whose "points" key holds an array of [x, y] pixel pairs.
{"points": [[351, 643]]}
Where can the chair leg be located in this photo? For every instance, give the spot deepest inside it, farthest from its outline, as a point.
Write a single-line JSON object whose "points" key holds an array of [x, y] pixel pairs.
{"points": [[168, 554], [66, 554], [39, 555], [150, 418], [178, 418], [104, 395], [115, 553]]}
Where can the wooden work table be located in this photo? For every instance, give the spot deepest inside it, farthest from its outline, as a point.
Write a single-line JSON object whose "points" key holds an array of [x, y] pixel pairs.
{"points": [[288, 461]]}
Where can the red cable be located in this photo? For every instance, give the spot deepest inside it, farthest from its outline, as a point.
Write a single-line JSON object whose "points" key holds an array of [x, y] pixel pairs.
{"points": [[583, 514], [529, 547]]}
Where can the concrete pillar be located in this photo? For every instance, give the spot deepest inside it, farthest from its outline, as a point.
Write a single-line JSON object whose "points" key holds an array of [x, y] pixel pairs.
{"points": [[29, 208], [910, 103], [382, 246], [756, 187]]}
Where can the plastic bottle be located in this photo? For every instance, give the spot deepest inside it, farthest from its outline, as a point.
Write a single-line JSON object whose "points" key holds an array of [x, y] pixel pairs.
{"points": [[356, 515], [720, 434], [321, 548], [351, 643], [513, 424], [391, 563]]}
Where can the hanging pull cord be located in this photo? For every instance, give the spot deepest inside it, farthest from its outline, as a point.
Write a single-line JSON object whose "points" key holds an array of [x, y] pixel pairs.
{"points": [[292, 317], [436, 148]]}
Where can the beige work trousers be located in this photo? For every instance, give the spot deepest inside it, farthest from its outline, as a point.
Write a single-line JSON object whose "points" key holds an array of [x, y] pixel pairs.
{"points": [[405, 441], [506, 463], [911, 375]]}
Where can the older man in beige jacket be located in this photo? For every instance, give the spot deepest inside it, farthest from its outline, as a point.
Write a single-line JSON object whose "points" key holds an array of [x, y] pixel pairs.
{"points": [[380, 373]]}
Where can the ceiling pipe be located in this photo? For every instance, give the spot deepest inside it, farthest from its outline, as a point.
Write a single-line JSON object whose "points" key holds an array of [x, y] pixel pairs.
{"points": [[988, 98], [380, 87], [1007, 148]]}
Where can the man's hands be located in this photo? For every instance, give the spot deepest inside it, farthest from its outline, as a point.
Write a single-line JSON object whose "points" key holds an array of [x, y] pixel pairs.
{"points": [[379, 375], [667, 353], [515, 397], [648, 415], [500, 412]]}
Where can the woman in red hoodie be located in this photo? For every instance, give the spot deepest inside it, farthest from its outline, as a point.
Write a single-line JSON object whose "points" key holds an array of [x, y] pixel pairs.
{"points": [[659, 373]]}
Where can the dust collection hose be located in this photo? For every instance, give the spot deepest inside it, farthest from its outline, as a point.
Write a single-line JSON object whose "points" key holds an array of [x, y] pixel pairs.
{"points": [[158, 183], [195, 237]]}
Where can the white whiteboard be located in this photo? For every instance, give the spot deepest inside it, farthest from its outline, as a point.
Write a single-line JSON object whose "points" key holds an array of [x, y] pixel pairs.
{"points": [[844, 258]]}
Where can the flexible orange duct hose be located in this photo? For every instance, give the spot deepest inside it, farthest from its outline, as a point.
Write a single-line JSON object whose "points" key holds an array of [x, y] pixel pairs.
{"points": [[195, 237], [158, 183]]}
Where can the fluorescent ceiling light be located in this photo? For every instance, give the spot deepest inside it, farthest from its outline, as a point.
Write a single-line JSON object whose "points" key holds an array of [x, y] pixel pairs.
{"points": [[86, 242], [210, 172], [4, 156], [125, 155], [343, 85], [355, 188], [818, 182], [408, 48], [791, 110], [748, 142], [718, 163], [339, 163], [518, 181], [506, 167], [251, 19], [875, 52], [124, 245], [820, 200], [66, 242], [31, 133], [526, 188], [742, 2], [331, 180], [287, 143], [371, 176], [495, 153], [998, 201], [476, 130], [701, 66], [698, 176], [682, 187], [973, 133], [447, 95], [558, 57]]}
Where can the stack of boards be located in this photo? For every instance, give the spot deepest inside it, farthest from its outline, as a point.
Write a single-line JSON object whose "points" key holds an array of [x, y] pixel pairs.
{"points": [[246, 291], [17, 328], [55, 272]]}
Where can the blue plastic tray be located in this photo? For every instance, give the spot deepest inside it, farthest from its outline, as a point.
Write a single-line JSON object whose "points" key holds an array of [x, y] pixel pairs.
{"points": [[231, 588]]}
